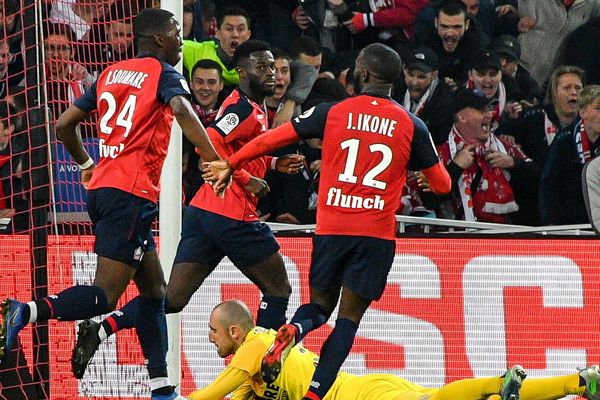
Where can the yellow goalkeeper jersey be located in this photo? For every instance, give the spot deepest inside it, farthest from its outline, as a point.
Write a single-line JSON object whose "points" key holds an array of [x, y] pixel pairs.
{"points": [[294, 380]]}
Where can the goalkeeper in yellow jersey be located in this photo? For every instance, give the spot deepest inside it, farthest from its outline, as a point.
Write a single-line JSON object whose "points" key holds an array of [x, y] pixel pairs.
{"points": [[232, 331]]}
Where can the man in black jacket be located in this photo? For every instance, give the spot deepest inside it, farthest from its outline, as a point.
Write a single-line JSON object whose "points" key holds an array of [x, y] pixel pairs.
{"points": [[423, 94], [454, 40]]}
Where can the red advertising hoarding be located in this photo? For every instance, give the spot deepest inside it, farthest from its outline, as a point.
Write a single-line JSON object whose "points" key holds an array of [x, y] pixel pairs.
{"points": [[456, 308]]}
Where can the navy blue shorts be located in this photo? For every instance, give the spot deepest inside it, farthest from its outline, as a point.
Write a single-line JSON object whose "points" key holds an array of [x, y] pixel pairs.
{"points": [[360, 263], [122, 223], [207, 237]]}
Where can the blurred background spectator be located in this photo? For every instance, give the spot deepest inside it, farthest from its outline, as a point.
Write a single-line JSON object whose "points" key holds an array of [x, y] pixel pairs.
{"points": [[561, 197], [543, 26]]}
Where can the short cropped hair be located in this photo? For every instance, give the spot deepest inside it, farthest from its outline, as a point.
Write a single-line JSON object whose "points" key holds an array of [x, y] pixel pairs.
{"points": [[150, 21], [278, 53], [243, 51], [234, 312], [381, 61], [452, 8], [588, 95], [234, 11], [306, 45], [59, 29], [206, 63]]}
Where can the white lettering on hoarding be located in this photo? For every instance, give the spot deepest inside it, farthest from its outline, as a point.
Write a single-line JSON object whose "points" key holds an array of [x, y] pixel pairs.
{"points": [[484, 281], [126, 380]]}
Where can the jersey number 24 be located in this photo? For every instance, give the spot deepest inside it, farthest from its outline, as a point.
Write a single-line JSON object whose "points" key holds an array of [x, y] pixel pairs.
{"points": [[124, 117]]}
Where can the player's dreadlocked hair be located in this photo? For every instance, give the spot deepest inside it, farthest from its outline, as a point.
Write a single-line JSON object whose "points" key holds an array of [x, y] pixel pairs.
{"points": [[382, 62], [242, 53], [150, 22]]}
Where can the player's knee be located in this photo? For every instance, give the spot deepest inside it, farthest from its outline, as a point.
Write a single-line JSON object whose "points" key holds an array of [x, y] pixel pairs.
{"points": [[173, 307], [281, 290], [157, 291], [111, 305]]}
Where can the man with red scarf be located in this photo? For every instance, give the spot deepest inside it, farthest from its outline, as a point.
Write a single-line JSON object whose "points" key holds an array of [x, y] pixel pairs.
{"points": [[561, 198], [485, 75], [480, 164]]}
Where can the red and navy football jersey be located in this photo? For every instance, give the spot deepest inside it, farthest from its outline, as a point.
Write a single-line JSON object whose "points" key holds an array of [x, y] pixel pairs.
{"points": [[239, 121], [134, 123], [369, 143]]}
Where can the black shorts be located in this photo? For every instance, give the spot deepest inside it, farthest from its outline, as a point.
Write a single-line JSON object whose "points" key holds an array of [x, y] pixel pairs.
{"points": [[122, 223], [207, 237], [360, 263]]}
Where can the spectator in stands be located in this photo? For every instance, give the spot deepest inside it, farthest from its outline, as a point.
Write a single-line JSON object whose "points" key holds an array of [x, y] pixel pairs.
{"points": [[509, 50], [391, 21], [233, 29], [11, 28], [207, 95], [199, 20], [424, 94], [4, 59], [561, 198], [581, 49], [110, 40], [536, 128], [67, 80], [78, 14], [545, 25], [478, 13], [486, 76], [206, 85], [307, 50], [303, 71], [482, 166], [454, 41], [283, 78], [10, 163]]}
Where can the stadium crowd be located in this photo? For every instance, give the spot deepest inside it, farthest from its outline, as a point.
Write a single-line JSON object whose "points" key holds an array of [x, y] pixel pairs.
{"points": [[530, 60], [508, 91]]}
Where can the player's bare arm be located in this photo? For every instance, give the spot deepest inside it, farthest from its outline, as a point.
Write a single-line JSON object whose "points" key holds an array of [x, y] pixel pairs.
{"points": [[290, 163], [66, 128], [192, 127], [217, 172], [258, 187], [438, 180]]}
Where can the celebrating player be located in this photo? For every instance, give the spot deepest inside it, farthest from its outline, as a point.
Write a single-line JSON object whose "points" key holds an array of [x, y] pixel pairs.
{"points": [[215, 227], [136, 101], [232, 332], [369, 142]]}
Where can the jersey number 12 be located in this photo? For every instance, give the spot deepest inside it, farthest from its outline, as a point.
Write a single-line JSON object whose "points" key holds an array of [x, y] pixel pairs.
{"points": [[369, 179]]}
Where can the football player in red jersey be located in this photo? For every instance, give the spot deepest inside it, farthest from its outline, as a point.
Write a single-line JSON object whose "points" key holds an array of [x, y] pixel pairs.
{"points": [[218, 226], [136, 100], [369, 142]]}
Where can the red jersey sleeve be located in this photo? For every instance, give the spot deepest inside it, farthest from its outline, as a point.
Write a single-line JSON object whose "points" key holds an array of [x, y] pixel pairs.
{"points": [[264, 144], [242, 176], [439, 179]]}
